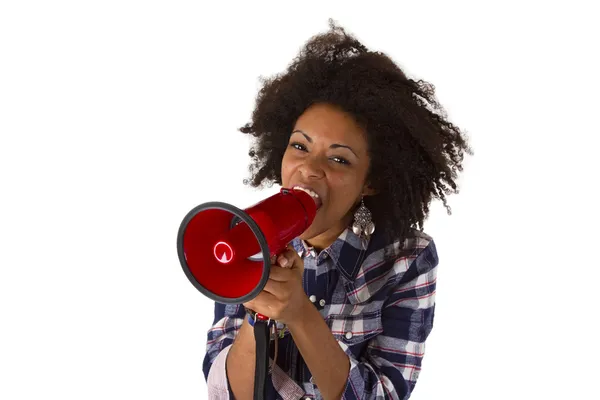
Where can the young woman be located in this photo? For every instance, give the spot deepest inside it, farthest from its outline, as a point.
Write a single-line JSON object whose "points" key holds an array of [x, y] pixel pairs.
{"points": [[353, 297]]}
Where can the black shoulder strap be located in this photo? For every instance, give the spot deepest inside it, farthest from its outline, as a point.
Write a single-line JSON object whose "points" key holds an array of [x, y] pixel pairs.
{"points": [[261, 371]]}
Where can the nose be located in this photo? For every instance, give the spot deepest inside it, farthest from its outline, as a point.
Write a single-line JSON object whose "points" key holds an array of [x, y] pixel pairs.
{"points": [[312, 168]]}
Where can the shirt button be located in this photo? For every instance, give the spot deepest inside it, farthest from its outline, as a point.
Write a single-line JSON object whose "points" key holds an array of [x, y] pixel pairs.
{"points": [[322, 303], [348, 335], [313, 298]]}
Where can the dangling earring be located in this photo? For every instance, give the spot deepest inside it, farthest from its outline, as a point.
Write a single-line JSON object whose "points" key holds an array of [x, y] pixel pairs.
{"points": [[363, 223]]}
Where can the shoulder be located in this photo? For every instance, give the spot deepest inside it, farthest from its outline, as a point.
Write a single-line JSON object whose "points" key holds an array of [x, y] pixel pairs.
{"points": [[417, 244], [387, 264]]}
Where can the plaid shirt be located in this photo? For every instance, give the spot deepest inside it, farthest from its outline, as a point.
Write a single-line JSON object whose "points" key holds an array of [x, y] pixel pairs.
{"points": [[380, 311]]}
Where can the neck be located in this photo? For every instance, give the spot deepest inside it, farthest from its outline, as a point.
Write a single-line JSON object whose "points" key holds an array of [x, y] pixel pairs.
{"points": [[326, 238]]}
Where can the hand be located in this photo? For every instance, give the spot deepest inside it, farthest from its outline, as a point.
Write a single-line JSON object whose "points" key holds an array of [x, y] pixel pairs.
{"points": [[283, 298]]}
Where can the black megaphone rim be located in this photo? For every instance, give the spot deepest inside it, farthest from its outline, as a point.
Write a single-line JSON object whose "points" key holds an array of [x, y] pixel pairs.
{"points": [[260, 237]]}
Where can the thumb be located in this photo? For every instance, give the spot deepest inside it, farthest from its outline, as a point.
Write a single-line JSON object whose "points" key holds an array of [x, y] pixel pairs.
{"points": [[292, 254]]}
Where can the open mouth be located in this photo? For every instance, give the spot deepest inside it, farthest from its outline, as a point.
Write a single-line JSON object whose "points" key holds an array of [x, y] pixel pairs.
{"points": [[312, 194]]}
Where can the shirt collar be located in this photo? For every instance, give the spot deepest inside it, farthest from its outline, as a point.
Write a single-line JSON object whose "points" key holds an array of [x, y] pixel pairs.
{"points": [[347, 252]]}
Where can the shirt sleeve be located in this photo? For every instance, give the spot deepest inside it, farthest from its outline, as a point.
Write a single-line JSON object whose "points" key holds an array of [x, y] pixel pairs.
{"points": [[227, 322], [392, 361]]}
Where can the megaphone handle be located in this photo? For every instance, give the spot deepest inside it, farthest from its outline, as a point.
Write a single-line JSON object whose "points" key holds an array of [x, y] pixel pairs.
{"points": [[264, 317]]}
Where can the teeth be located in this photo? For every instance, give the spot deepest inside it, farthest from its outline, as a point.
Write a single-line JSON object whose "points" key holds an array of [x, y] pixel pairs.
{"points": [[313, 194]]}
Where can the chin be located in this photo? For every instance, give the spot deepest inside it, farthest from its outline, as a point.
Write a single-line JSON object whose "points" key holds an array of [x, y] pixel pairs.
{"points": [[307, 234], [311, 232], [319, 226]]}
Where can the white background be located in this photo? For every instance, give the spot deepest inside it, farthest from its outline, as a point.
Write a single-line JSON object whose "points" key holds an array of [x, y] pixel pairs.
{"points": [[106, 113]]}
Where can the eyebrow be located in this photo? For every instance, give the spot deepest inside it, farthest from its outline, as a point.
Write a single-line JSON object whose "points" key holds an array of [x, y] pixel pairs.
{"points": [[333, 146]]}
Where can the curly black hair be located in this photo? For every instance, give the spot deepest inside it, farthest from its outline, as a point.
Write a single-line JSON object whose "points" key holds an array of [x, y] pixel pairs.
{"points": [[415, 151]]}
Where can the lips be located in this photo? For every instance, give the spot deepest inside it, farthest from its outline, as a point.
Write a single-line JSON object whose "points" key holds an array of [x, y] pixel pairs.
{"points": [[312, 193]]}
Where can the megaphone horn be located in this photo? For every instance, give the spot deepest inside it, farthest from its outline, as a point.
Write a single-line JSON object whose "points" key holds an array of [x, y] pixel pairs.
{"points": [[226, 252]]}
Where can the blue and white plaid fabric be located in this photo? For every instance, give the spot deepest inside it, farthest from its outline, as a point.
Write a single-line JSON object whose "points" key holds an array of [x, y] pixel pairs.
{"points": [[380, 311]]}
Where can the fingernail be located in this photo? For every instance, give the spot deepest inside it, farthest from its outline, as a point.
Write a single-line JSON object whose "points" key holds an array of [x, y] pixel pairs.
{"points": [[283, 262]]}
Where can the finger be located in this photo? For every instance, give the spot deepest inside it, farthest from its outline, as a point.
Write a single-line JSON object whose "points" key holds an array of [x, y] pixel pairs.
{"points": [[280, 274], [276, 288], [262, 303], [294, 257], [287, 258], [284, 260]]}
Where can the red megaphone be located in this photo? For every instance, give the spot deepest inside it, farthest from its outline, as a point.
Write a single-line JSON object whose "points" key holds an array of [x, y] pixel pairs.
{"points": [[226, 252]]}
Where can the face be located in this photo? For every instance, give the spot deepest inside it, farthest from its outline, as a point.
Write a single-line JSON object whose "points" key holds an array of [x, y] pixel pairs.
{"points": [[327, 152]]}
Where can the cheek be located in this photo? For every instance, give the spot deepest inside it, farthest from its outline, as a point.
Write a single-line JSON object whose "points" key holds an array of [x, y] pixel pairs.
{"points": [[344, 191], [286, 169]]}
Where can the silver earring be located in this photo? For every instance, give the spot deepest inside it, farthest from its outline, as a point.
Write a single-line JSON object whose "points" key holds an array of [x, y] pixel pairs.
{"points": [[363, 222]]}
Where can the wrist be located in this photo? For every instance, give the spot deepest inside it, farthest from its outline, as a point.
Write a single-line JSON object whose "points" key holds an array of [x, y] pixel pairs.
{"points": [[252, 316], [305, 312]]}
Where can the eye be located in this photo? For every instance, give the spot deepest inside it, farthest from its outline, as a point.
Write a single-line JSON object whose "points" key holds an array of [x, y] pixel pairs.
{"points": [[298, 146], [341, 160], [301, 147]]}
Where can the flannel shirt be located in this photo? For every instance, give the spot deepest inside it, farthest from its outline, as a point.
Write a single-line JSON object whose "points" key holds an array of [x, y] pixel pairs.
{"points": [[379, 310]]}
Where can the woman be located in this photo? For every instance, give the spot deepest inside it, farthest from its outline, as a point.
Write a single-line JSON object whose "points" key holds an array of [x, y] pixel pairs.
{"points": [[353, 296]]}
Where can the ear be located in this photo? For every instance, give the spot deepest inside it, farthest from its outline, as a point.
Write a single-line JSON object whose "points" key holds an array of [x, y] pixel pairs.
{"points": [[368, 190]]}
